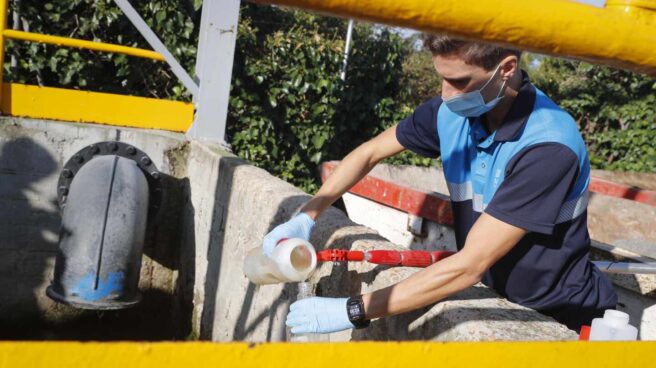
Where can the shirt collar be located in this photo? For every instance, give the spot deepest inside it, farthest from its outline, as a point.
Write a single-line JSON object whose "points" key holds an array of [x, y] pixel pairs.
{"points": [[519, 111]]}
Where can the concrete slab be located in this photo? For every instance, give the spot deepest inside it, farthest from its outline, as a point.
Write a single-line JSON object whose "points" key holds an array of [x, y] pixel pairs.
{"points": [[236, 204]]}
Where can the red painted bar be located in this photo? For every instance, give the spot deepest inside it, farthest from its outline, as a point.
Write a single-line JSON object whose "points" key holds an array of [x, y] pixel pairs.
{"points": [[612, 189], [429, 206], [437, 208]]}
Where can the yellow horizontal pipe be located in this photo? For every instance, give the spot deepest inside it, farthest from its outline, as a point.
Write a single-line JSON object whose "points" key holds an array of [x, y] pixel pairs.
{"points": [[83, 44], [555, 27], [94, 107], [637, 9], [343, 355], [647, 4]]}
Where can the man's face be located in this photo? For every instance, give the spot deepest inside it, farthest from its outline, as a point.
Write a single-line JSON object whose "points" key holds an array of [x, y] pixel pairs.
{"points": [[459, 77]]}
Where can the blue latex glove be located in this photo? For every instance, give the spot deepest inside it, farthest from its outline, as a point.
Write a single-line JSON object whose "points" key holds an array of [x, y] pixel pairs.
{"points": [[300, 226], [318, 315]]}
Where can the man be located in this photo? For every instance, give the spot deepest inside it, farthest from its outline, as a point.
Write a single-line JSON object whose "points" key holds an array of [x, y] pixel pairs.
{"points": [[517, 171]]}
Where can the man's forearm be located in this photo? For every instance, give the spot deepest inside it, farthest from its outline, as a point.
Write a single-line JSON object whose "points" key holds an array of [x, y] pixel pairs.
{"points": [[425, 287], [353, 168]]}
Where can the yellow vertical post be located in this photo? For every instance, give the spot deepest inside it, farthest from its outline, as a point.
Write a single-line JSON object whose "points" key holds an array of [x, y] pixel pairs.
{"points": [[3, 26]]}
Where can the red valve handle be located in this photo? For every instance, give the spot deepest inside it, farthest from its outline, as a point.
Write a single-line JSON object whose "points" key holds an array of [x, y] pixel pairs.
{"points": [[339, 255], [416, 258], [384, 257], [407, 258]]}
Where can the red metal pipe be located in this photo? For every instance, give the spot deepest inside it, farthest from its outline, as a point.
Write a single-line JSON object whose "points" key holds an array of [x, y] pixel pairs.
{"points": [[405, 258]]}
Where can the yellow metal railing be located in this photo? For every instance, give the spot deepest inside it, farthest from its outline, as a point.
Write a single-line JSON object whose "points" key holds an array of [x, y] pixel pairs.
{"points": [[83, 44], [625, 39], [344, 355], [92, 107], [3, 26]]}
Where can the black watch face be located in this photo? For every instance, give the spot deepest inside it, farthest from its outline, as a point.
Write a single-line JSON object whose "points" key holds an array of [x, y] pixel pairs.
{"points": [[354, 310]]}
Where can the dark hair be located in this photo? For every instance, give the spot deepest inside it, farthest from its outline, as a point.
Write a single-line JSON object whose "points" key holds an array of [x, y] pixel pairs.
{"points": [[473, 53]]}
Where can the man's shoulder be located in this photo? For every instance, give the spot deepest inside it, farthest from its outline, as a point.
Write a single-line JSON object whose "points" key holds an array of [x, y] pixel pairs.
{"points": [[551, 114], [549, 122], [418, 131]]}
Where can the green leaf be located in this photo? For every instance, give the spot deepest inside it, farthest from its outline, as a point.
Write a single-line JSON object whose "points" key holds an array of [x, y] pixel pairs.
{"points": [[318, 141], [272, 101]]}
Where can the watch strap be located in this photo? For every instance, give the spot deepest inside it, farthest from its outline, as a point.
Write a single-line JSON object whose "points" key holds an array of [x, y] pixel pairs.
{"points": [[355, 311]]}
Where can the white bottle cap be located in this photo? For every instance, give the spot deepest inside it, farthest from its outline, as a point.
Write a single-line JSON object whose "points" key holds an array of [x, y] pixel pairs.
{"points": [[616, 318]]}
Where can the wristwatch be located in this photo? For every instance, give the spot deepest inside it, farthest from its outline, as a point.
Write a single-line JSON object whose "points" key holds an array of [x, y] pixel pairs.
{"points": [[355, 311]]}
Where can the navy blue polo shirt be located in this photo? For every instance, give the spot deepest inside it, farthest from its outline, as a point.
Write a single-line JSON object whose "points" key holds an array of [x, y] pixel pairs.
{"points": [[533, 172]]}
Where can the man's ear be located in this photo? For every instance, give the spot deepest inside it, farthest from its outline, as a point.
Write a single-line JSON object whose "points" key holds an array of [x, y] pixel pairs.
{"points": [[509, 66]]}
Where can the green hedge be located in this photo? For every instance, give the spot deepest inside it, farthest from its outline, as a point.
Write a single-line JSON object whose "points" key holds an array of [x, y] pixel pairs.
{"points": [[289, 109], [615, 110]]}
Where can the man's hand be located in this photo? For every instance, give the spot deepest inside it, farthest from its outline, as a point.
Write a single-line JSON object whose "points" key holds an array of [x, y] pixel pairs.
{"points": [[318, 315], [300, 226]]}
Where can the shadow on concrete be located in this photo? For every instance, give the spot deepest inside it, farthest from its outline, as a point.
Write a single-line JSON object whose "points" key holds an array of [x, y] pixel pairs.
{"points": [[28, 230], [183, 303], [243, 328], [166, 245], [340, 283], [216, 243], [397, 328], [247, 323]]}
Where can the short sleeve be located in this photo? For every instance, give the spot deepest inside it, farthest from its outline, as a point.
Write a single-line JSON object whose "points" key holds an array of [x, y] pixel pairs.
{"points": [[537, 182], [418, 132]]}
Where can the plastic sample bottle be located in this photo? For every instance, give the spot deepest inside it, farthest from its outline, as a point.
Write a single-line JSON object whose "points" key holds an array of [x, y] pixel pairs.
{"points": [[293, 260], [613, 327], [305, 291]]}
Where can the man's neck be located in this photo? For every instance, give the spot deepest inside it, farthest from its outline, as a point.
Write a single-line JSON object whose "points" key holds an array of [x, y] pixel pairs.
{"points": [[494, 118]]}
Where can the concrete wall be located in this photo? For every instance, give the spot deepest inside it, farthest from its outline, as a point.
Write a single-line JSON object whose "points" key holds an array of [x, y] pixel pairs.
{"points": [[248, 202]]}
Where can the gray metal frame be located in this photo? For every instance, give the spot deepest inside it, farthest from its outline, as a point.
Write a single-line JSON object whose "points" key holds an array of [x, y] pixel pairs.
{"points": [[157, 45], [216, 49]]}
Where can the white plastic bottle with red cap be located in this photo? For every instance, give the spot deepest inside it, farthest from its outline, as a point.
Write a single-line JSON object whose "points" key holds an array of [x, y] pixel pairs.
{"points": [[614, 326], [292, 260]]}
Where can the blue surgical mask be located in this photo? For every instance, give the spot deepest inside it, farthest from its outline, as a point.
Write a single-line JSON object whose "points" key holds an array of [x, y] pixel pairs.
{"points": [[472, 104]]}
